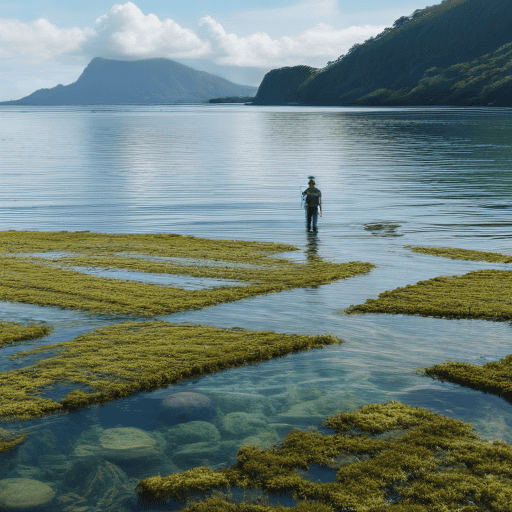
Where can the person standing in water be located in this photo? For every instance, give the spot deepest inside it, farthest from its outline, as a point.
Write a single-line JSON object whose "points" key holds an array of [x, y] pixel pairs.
{"points": [[313, 198]]}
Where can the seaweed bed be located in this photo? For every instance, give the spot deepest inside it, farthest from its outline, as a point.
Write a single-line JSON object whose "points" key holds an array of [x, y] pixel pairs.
{"points": [[12, 332], [119, 360], [385, 456], [45, 280], [462, 254], [482, 294], [493, 377]]}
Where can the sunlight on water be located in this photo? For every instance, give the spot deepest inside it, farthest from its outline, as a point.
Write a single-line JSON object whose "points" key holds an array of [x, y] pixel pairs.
{"points": [[389, 178]]}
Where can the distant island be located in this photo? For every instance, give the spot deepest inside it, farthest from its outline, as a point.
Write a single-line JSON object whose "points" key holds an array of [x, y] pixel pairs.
{"points": [[147, 81], [455, 53]]}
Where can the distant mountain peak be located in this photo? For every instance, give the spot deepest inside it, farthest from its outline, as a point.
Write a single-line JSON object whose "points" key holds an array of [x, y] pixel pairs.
{"points": [[146, 81]]}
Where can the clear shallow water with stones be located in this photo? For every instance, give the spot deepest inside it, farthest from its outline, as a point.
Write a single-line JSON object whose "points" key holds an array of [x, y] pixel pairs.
{"points": [[234, 172]]}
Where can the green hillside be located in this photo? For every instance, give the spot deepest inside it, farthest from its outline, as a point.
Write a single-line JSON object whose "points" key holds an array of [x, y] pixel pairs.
{"points": [[456, 52]]}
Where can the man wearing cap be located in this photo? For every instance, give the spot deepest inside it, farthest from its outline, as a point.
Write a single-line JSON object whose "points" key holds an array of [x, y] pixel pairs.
{"points": [[313, 203]]}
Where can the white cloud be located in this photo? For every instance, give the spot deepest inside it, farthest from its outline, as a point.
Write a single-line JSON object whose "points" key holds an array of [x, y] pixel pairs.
{"points": [[313, 46], [54, 54], [126, 32], [38, 40]]}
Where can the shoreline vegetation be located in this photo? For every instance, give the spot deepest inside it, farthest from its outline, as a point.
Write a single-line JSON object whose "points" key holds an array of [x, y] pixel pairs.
{"points": [[232, 99], [454, 53], [46, 279], [385, 456]]}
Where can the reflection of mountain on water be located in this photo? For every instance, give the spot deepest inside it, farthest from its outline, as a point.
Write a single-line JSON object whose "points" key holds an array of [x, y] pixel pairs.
{"points": [[147, 81]]}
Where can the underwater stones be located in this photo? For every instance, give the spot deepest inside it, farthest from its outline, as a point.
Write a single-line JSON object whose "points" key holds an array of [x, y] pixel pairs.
{"points": [[293, 396], [264, 440], [187, 406], [127, 443], [323, 406], [24, 494], [192, 432], [195, 454], [242, 402], [242, 424], [86, 450]]}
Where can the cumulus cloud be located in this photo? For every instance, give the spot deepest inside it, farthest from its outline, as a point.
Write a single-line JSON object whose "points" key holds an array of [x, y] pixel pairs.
{"points": [[313, 46], [39, 39], [126, 32]]}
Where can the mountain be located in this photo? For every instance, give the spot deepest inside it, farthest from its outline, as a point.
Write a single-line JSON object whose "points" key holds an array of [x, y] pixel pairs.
{"points": [[146, 81], [454, 53]]}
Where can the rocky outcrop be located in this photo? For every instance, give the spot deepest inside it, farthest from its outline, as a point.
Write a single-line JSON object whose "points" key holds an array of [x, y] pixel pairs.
{"points": [[283, 85]]}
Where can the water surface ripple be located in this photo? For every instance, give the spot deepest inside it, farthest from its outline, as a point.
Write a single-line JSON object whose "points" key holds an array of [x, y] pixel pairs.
{"points": [[441, 176]]}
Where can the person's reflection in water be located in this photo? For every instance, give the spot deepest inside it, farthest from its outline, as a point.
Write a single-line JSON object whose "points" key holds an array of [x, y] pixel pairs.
{"points": [[312, 247]]}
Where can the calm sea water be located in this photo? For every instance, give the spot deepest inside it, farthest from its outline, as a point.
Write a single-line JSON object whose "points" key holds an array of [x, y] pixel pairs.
{"points": [[443, 175]]}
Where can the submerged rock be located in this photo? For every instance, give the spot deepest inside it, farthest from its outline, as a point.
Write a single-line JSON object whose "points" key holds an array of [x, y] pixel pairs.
{"points": [[264, 440], [24, 494], [243, 402], [192, 432], [195, 454], [321, 407], [242, 424], [187, 406], [127, 443]]}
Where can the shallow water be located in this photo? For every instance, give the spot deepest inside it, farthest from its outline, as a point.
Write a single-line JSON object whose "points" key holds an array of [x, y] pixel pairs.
{"points": [[235, 172]]}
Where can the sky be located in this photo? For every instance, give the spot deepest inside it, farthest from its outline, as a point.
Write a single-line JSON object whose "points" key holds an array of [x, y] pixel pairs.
{"points": [[48, 42]]}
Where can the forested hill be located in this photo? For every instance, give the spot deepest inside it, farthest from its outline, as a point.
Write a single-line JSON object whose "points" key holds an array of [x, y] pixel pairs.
{"points": [[454, 53], [146, 81]]}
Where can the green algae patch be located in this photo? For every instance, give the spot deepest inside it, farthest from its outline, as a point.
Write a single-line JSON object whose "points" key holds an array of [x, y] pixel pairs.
{"points": [[9, 439], [50, 280], [385, 456], [483, 294], [494, 377], [85, 242], [12, 332], [383, 228], [462, 254], [119, 360]]}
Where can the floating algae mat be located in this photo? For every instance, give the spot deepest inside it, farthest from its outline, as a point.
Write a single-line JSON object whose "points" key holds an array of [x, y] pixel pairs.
{"points": [[483, 294], [117, 361], [385, 456], [12, 332], [463, 254], [494, 377], [46, 281], [383, 228]]}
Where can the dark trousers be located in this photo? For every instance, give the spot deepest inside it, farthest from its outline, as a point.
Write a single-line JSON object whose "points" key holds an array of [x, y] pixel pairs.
{"points": [[311, 215]]}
